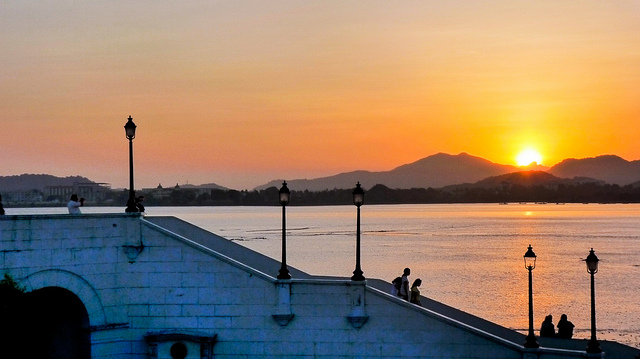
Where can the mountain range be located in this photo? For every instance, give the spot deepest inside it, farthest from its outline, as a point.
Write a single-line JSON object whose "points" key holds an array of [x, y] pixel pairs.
{"points": [[442, 169], [26, 182], [435, 171]]}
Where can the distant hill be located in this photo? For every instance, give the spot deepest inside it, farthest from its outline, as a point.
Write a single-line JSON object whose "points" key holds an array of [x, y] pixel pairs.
{"points": [[25, 182], [609, 168], [441, 170], [533, 166], [434, 171], [524, 179], [204, 186]]}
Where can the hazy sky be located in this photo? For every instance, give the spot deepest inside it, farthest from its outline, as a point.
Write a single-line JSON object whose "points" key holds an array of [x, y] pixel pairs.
{"points": [[243, 92]]}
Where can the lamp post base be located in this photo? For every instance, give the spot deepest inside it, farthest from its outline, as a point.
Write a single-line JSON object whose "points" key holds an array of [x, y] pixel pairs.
{"points": [[531, 342], [594, 347], [357, 275], [131, 206], [284, 274]]}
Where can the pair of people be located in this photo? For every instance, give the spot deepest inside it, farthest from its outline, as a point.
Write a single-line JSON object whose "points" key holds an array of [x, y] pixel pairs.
{"points": [[401, 288], [565, 327]]}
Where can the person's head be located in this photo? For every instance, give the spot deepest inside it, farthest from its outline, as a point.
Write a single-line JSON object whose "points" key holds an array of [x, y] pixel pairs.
{"points": [[416, 283], [548, 318], [407, 271], [74, 197], [563, 317]]}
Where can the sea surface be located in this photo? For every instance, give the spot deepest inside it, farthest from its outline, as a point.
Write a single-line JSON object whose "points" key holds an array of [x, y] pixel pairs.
{"points": [[468, 256]]}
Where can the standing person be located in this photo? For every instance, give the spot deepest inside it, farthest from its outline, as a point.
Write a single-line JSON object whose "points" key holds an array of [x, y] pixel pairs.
{"points": [[565, 327], [139, 204], [547, 328], [75, 204], [395, 286], [404, 286], [1, 208], [415, 292]]}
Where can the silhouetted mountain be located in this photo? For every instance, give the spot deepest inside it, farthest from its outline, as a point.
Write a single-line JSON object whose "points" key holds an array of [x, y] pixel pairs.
{"points": [[609, 168], [435, 171], [25, 182], [534, 166], [204, 186], [524, 179]]}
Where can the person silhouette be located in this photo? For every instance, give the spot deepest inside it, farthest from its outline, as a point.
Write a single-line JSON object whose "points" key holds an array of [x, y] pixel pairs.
{"points": [[75, 204], [404, 287], [415, 292], [547, 329], [1, 208], [565, 327], [139, 204]]}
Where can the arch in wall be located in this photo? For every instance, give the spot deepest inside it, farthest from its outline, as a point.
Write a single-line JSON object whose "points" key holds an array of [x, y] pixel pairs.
{"points": [[74, 284], [56, 322]]}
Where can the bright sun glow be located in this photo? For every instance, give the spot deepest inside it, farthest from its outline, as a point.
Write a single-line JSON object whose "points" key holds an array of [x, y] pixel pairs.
{"points": [[527, 156]]}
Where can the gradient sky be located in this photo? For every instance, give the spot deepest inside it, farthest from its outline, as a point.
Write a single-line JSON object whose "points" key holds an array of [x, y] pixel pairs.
{"points": [[243, 92]]}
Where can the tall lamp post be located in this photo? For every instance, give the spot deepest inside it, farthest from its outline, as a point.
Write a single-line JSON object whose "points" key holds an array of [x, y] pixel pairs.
{"points": [[284, 200], [530, 264], [592, 268], [130, 132], [358, 199]]}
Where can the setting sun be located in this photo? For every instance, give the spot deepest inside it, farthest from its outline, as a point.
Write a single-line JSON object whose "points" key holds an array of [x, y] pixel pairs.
{"points": [[526, 157]]}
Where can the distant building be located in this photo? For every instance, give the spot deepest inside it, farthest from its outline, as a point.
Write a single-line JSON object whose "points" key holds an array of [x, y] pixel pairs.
{"points": [[91, 191], [32, 195], [158, 192]]}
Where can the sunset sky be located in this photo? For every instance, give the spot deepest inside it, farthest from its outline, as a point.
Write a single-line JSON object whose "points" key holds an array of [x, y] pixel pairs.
{"points": [[243, 92]]}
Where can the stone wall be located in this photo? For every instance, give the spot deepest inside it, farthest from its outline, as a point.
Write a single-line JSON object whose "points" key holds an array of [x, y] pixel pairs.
{"points": [[146, 288]]}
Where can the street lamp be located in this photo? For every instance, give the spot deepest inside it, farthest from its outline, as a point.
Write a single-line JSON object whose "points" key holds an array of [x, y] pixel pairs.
{"points": [[358, 199], [530, 264], [592, 268], [284, 200], [130, 132]]}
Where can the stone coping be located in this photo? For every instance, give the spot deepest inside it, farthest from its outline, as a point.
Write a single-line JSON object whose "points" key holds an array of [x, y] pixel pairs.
{"points": [[15, 217]]}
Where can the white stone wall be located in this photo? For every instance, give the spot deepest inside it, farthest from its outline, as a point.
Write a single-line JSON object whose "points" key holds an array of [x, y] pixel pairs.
{"points": [[135, 278]]}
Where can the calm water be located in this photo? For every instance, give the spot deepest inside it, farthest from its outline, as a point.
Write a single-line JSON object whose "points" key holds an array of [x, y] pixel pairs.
{"points": [[468, 256]]}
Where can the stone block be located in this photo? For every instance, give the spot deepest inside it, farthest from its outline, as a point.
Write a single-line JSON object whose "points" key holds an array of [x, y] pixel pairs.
{"points": [[145, 295], [61, 256], [240, 349], [214, 323], [148, 323], [163, 254], [182, 322], [181, 295], [191, 279], [95, 255], [198, 310], [164, 279], [235, 310], [165, 310], [251, 320], [139, 310]]}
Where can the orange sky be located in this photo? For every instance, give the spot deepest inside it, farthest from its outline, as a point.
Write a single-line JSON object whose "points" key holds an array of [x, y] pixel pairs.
{"points": [[243, 92]]}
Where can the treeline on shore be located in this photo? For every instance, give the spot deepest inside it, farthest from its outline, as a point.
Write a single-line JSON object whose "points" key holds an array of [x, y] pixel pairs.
{"points": [[380, 194]]}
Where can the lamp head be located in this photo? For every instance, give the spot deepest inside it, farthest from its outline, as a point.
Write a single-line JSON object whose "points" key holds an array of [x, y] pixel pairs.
{"points": [[358, 195], [284, 194], [592, 262], [130, 129], [530, 259]]}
